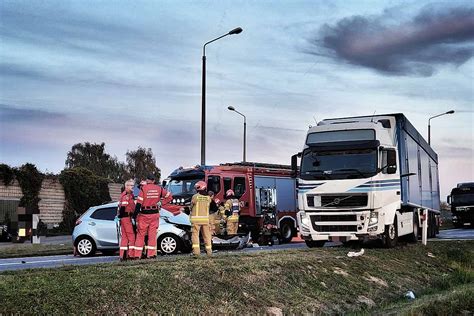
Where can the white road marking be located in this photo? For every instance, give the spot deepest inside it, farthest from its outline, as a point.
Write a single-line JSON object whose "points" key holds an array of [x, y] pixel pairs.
{"points": [[44, 261]]}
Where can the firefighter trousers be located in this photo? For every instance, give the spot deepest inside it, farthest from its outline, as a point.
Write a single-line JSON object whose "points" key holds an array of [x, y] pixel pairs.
{"points": [[147, 224], [127, 240], [215, 223], [232, 227], [206, 235]]}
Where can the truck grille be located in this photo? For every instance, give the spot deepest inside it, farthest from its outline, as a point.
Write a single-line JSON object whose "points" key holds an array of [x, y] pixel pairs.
{"points": [[343, 200], [334, 218], [334, 228]]}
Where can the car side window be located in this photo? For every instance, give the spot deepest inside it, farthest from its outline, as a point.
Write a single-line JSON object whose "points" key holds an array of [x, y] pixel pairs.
{"points": [[107, 213]]}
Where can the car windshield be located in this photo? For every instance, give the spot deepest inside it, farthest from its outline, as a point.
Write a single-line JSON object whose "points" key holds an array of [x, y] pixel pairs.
{"points": [[345, 164], [182, 186]]}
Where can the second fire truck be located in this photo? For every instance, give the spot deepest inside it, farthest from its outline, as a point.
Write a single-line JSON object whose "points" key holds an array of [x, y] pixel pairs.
{"points": [[266, 193]]}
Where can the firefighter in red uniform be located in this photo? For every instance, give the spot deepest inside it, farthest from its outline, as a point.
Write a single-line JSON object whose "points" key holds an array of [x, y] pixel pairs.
{"points": [[126, 208], [147, 214]]}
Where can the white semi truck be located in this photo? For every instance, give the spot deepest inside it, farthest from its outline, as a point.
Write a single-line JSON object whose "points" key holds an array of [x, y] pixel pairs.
{"points": [[369, 177]]}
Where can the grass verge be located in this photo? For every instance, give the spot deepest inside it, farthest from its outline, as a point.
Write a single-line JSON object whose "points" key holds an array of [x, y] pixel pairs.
{"points": [[34, 250], [317, 281]]}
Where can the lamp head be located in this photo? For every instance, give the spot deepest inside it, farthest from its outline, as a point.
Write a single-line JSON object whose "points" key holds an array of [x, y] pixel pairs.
{"points": [[236, 31], [231, 108], [450, 112]]}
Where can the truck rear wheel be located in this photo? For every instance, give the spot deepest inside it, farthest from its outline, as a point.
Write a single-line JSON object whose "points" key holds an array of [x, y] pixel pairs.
{"points": [[390, 235], [315, 243]]}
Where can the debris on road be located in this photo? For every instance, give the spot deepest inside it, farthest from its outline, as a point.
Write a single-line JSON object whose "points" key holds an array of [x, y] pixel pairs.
{"points": [[356, 253], [431, 255], [410, 295]]}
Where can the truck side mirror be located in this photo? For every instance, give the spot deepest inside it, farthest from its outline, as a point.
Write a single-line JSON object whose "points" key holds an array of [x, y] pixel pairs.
{"points": [[391, 161], [164, 183], [294, 165], [448, 199]]}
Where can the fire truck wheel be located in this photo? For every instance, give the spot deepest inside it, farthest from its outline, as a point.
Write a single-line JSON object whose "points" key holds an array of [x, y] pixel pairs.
{"points": [[315, 243], [391, 235], [286, 232]]}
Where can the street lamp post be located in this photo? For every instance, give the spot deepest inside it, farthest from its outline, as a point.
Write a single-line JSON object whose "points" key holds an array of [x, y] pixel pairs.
{"points": [[203, 104], [429, 124], [231, 108]]}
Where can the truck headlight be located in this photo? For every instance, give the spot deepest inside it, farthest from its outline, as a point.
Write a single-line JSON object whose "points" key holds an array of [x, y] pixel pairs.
{"points": [[304, 220], [374, 218]]}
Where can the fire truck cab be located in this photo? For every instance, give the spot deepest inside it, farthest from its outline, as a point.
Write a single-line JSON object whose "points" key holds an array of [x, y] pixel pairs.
{"points": [[267, 195]]}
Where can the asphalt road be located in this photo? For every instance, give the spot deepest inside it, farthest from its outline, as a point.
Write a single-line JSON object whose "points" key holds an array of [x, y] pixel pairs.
{"points": [[63, 260]]}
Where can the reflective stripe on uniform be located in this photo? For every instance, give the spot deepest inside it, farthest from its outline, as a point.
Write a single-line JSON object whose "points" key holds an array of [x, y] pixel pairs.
{"points": [[139, 248], [140, 198], [123, 248], [233, 218], [203, 220], [208, 247], [151, 247], [195, 245], [124, 203]]}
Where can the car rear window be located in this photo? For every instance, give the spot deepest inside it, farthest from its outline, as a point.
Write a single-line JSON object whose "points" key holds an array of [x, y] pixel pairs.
{"points": [[107, 213]]}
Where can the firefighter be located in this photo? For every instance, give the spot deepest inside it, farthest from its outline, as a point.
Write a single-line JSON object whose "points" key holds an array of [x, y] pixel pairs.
{"points": [[232, 208], [126, 208], [214, 218], [147, 215], [199, 218]]}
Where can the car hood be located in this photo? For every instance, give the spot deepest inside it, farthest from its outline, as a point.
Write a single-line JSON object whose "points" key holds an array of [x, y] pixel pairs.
{"points": [[181, 219]]}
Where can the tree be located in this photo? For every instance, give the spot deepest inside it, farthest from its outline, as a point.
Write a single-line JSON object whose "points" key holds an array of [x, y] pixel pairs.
{"points": [[141, 162], [94, 158], [82, 189]]}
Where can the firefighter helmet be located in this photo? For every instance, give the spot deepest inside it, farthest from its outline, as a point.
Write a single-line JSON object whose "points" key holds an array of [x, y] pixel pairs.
{"points": [[200, 186], [229, 193]]}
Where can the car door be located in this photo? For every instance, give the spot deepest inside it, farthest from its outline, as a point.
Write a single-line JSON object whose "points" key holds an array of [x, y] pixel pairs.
{"points": [[102, 226]]}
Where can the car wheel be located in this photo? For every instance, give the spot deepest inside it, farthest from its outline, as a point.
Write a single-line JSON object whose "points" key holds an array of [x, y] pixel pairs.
{"points": [[391, 235], [315, 243], [85, 246], [169, 244], [286, 231]]}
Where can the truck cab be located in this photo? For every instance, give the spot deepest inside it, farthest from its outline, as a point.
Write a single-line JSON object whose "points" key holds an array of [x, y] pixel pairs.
{"points": [[352, 182], [462, 204]]}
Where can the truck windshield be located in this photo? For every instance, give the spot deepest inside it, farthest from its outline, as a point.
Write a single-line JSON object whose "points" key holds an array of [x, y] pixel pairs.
{"points": [[346, 164], [463, 199], [182, 186]]}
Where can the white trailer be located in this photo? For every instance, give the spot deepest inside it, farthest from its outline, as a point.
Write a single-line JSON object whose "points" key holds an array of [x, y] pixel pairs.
{"points": [[369, 177]]}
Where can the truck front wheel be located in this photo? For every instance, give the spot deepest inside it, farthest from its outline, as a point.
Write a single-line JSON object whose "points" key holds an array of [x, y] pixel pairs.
{"points": [[391, 235], [315, 243]]}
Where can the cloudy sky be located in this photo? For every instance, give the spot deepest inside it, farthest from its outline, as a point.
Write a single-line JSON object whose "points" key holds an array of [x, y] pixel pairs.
{"points": [[128, 73]]}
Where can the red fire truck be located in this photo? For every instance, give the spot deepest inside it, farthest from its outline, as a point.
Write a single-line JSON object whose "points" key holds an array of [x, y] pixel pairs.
{"points": [[267, 193]]}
